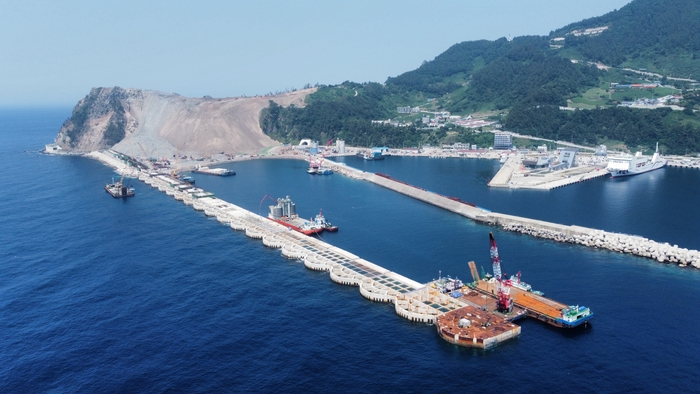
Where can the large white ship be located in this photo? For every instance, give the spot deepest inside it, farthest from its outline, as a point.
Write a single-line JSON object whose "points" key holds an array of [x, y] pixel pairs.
{"points": [[633, 165]]}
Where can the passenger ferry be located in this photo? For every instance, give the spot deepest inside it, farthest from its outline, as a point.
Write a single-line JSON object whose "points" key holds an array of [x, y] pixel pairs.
{"points": [[628, 165]]}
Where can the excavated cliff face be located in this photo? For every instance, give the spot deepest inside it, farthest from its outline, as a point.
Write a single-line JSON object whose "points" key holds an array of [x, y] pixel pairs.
{"points": [[161, 124]]}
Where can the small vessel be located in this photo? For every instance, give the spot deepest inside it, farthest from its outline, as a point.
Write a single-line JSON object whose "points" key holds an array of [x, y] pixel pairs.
{"points": [[119, 190], [365, 155], [324, 171], [312, 170], [633, 165], [370, 155], [285, 214], [327, 226], [573, 316], [186, 178]]}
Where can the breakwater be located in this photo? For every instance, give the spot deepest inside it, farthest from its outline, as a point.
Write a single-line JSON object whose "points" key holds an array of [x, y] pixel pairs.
{"points": [[617, 242], [623, 243], [412, 300]]}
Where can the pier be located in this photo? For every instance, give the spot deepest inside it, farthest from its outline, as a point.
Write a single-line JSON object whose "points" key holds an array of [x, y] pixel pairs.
{"points": [[512, 176]]}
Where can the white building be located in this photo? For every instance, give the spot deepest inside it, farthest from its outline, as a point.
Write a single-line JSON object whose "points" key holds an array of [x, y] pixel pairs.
{"points": [[502, 141]]}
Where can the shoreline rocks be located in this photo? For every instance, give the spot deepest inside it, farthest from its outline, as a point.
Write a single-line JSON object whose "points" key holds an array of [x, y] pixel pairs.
{"points": [[616, 242]]}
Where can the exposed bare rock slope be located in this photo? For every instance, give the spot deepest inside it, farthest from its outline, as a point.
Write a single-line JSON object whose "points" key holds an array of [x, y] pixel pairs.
{"points": [[133, 121]]}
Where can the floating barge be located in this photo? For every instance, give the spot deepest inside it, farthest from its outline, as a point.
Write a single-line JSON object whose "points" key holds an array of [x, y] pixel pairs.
{"points": [[214, 171], [119, 190], [542, 308], [285, 213]]}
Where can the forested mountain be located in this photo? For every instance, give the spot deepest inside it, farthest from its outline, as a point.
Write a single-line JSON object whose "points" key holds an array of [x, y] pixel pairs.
{"points": [[524, 81], [660, 36]]}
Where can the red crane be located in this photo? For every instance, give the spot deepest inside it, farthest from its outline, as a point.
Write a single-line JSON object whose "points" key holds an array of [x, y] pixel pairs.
{"points": [[323, 155], [505, 303]]}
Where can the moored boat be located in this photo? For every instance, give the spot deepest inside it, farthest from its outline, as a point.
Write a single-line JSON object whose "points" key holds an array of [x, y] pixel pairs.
{"points": [[324, 171], [633, 165], [285, 214], [119, 190], [214, 171], [327, 226]]}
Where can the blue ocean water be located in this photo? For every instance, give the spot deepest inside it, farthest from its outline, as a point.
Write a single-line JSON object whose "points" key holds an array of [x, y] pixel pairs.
{"points": [[148, 295]]}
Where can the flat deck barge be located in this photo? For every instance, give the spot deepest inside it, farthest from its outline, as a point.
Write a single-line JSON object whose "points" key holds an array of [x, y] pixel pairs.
{"points": [[541, 308], [214, 171]]}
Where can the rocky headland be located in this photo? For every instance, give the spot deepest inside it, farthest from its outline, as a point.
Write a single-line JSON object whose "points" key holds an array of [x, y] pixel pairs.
{"points": [[138, 122]]}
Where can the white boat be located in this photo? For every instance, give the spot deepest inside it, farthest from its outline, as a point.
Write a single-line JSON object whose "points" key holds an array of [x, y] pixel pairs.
{"points": [[633, 165]]}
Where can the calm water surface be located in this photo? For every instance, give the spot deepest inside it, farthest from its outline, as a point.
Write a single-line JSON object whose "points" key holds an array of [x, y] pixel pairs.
{"points": [[104, 295]]}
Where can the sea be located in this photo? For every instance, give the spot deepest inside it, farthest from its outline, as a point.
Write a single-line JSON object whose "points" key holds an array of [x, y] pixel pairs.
{"points": [[148, 295]]}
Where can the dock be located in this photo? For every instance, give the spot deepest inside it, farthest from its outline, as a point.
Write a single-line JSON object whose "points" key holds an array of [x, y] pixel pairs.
{"points": [[512, 175]]}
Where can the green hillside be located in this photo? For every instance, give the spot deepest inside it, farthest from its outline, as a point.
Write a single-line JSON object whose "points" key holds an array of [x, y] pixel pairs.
{"points": [[658, 36], [523, 82]]}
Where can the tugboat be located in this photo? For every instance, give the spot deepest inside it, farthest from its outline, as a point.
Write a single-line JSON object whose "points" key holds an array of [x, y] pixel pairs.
{"points": [[119, 190], [327, 226]]}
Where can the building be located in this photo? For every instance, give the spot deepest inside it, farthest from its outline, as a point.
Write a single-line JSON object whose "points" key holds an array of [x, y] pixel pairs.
{"points": [[502, 141], [52, 148], [340, 146], [567, 157], [307, 144]]}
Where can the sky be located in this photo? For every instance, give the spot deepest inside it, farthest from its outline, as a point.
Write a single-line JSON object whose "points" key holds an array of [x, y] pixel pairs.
{"points": [[53, 52]]}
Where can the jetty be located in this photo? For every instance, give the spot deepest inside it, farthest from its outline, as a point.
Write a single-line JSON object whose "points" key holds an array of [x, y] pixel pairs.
{"points": [[513, 175]]}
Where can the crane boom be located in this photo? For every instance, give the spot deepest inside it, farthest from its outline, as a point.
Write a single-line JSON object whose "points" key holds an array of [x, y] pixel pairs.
{"points": [[475, 273], [495, 260], [505, 303]]}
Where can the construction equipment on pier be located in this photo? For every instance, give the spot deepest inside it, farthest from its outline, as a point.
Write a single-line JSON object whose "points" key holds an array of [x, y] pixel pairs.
{"points": [[118, 189], [505, 303]]}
